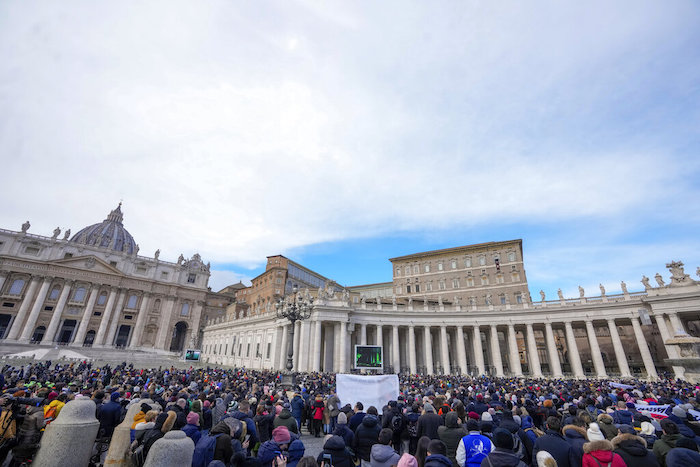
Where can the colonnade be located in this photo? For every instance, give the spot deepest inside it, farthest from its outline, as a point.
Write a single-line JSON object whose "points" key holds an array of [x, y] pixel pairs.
{"points": [[446, 348]]}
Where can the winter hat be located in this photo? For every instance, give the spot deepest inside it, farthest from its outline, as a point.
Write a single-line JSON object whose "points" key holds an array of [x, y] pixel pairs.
{"points": [[281, 435], [628, 429], [679, 412], [342, 419], [473, 415], [182, 403], [193, 418], [206, 404], [486, 417], [517, 419], [594, 433], [630, 405], [145, 407], [114, 397], [545, 459], [503, 439], [647, 428], [428, 407], [52, 395], [407, 460]]}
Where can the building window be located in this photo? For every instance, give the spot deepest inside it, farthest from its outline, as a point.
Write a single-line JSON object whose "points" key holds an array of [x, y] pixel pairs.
{"points": [[32, 250], [164, 275], [247, 352], [141, 269], [511, 256], [484, 280], [454, 264], [398, 290], [518, 298], [503, 299], [500, 279], [416, 269], [398, 271], [470, 282], [408, 270], [269, 350], [408, 289], [427, 267], [441, 285], [482, 260], [455, 283], [515, 277], [467, 262], [16, 287], [257, 350], [113, 263], [191, 278], [156, 305], [79, 295], [131, 304], [68, 255], [440, 266], [429, 286], [54, 293], [417, 288]]}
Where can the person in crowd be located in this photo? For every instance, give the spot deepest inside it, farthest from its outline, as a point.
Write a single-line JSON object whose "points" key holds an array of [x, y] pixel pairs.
{"points": [[191, 429], [367, 435], [297, 405], [317, 408], [164, 423], [411, 432], [357, 417], [335, 452], [600, 452], [451, 433], [633, 448], [422, 450], [407, 460], [382, 453], [503, 454], [554, 443], [576, 435], [473, 447], [429, 422], [344, 431], [668, 440], [436, 455]]}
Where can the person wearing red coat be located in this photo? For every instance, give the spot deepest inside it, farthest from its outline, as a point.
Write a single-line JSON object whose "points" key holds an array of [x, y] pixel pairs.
{"points": [[600, 454]]}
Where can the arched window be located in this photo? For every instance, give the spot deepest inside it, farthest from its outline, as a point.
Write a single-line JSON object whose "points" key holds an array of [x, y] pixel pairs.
{"points": [[79, 294], [133, 299], [102, 299], [54, 293], [16, 287], [185, 309]]}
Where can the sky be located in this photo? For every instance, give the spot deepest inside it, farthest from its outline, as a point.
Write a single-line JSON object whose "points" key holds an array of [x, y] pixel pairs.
{"points": [[341, 134]]}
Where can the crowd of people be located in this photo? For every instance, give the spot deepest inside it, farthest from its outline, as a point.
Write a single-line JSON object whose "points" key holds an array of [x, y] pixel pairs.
{"points": [[239, 417]]}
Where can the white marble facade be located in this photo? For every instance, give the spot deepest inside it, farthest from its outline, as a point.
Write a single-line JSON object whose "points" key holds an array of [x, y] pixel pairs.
{"points": [[94, 289], [599, 336]]}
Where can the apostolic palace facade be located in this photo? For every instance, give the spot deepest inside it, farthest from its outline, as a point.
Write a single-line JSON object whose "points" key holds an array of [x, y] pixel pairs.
{"points": [[458, 310]]}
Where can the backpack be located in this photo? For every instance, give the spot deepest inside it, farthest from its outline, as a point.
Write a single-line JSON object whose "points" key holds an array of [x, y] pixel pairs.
{"points": [[518, 447], [413, 429], [204, 450], [50, 415], [397, 423]]}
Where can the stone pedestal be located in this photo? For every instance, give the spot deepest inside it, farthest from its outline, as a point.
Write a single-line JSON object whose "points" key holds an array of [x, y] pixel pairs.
{"points": [[174, 449], [69, 439], [688, 355], [118, 453]]}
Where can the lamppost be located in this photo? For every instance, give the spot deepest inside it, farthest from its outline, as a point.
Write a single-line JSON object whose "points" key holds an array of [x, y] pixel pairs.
{"points": [[295, 307]]}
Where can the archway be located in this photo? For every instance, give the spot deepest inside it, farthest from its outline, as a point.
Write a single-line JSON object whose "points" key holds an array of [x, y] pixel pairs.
{"points": [[177, 344], [123, 336], [39, 334], [89, 339], [4, 324], [66, 332]]}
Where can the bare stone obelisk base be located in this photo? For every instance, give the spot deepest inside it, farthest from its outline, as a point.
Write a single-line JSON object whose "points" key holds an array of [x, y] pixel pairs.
{"points": [[174, 449], [69, 439], [689, 355], [118, 453]]}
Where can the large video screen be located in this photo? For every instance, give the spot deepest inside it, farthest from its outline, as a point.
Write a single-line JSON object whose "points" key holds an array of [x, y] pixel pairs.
{"points": [[192, 355], [369, 357]]}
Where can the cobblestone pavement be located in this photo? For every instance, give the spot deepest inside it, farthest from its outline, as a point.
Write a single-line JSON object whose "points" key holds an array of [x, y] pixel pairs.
{"points": [[313, 446]]}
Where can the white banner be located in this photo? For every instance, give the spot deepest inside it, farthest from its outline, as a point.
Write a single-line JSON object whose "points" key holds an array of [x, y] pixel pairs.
{"points": [[370, 390], [620, 386], [652, 409]]}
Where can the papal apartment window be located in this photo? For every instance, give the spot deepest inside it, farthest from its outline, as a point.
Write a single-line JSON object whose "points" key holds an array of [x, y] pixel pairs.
{"points": [[468, 262], [191, 278], [398, 290], [484, 280], [441, 285], [518, 298], [454, 264], [511, 256], [470, 282], [499, 279], [515, 277], [427, 268], [503, 299], [398, 271], [416, 269], [440, 266], [133, 299], [455, 283], [482, 260], [429, 287]]}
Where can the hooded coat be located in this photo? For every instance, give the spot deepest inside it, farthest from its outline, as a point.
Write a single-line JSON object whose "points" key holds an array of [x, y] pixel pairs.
{"points": [[437, 460], [555, 444], [576, 436], [633, 450], [366, 436], [335, 447], [428, 424], [602, 451], [663, 445], [500, 457], [451, 434], [223, 450], [285, 419], [383, 455], [605, 422]]}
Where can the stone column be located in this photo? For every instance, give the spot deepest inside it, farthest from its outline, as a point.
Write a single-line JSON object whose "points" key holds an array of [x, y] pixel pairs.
{"points": [[461, 352], [116, 316], [317, 346], [363, 334], [619, 349], [595, 350], [533, 356], [395, 351], [79, 337], [304, 334], [164, 327], [29, 296], [140, 321], [671, 350], [413, 367], [3, 277], [554, 363], [515, 366], [644, 350], [343, 347], [496, 351], [677, 324], [478, 351], [50, 334], [36, 309], [106, 315], [574, 356], [335, 356], [444, 351], [283, 349], [380, 336], [428, 350]]}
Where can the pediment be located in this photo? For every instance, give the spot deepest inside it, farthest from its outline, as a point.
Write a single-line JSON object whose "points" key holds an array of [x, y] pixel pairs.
{"points": [[89, 262]]}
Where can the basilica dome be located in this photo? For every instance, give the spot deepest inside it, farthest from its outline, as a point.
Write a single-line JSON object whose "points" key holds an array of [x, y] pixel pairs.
{"points": [[109, 233]]}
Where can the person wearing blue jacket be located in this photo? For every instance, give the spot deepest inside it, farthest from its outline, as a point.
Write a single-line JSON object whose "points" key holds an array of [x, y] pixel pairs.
{"points": [[474, 446], [297, 409]]}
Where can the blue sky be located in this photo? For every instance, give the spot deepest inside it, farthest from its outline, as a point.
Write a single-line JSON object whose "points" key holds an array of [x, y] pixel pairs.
{"points": [[344, 133]]}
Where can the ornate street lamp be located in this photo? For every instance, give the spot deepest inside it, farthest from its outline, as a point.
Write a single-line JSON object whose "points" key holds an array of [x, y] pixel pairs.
{"points": [[294, 307]]}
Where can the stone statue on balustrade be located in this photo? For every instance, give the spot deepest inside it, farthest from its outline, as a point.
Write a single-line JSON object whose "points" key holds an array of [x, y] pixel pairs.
{"points": [[410, 301], [457, 301], [560, 294], [488, 299], [602, 290], [26, 226], [346, 295], [472, 301], [56, 232], [623, 287], [363, 300], [66, 235], [180, 259], [440, 300], [581, 292], [156, 255], [542, 294], [659, 280], [393, 300], [678, 275], [645, 282]]}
